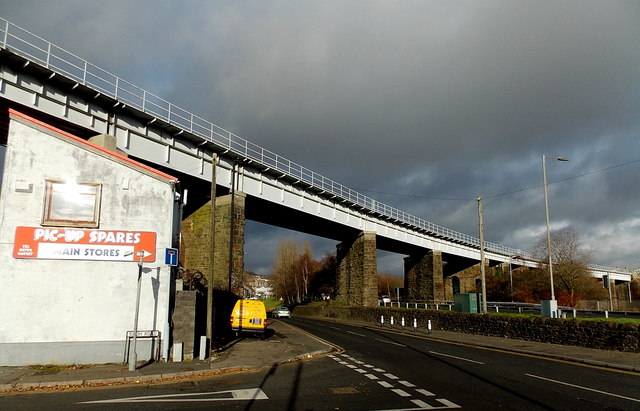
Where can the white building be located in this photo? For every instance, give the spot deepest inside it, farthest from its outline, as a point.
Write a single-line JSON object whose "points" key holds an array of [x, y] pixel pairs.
{"points": [[74, 217]]}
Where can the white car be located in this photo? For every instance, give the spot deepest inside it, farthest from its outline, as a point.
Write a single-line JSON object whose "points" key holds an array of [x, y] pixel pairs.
{"points": [[281, 312], [385, 299]]}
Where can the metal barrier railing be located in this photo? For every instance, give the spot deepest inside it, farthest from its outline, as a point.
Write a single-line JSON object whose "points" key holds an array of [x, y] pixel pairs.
{"points": [[28, 45]]}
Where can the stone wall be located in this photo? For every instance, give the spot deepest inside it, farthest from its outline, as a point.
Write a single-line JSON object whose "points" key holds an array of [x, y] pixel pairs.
{"points": [[184, 320], [607, 335]]}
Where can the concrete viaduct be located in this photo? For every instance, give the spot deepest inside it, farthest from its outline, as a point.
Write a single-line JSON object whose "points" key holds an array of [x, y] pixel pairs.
{"points": [[250, 182]]}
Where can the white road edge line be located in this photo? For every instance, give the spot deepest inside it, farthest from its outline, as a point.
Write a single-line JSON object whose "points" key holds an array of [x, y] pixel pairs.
{"points": [[583, 388], [236, 395], [457, 358]]}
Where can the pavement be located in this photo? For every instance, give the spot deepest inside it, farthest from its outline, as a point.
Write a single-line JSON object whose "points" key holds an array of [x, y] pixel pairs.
{"points": [[286, 344]]}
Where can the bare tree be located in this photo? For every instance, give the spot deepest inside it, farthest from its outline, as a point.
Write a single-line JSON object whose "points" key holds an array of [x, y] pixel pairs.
{"points": [[570, 260], [284, 271], [307, 267], [388, 282]]}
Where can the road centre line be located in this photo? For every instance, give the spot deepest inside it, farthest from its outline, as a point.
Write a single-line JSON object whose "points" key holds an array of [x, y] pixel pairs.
{"points": [[390, 342], [583, 388], [457, 358], [359, 335]]}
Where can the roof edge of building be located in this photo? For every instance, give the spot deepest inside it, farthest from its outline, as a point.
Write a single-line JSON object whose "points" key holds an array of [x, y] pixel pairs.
{"points": [[56, 132]]}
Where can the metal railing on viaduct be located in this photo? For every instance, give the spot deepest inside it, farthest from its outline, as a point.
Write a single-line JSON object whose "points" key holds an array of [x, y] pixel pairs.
{"points": [[42, 52]]}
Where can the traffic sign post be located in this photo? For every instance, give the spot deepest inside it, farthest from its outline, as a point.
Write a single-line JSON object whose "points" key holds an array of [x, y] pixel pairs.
{"points": [[133, 355]]}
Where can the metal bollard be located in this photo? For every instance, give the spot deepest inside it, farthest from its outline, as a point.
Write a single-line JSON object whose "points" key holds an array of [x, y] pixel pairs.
{"points": [[403, 323], [429, 327], [391, 322], [382, 320], [415, 325]]}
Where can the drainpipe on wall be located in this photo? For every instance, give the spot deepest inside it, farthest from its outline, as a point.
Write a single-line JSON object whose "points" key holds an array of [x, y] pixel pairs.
{"points": [[174, 219]]}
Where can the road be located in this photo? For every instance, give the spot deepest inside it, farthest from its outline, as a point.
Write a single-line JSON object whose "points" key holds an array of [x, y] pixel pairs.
{"points": [[378, 369]]}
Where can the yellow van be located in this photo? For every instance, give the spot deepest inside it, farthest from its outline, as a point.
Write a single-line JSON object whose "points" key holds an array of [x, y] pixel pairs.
{"points": [[249, 316]]}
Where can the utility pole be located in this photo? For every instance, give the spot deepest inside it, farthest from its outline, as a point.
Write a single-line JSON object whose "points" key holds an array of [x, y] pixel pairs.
{"points": [[232, 221], [482, 274], [214, 161]]}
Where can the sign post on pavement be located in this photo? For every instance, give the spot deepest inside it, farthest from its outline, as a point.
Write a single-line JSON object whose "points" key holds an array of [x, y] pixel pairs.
{"points": [[133, 355]]}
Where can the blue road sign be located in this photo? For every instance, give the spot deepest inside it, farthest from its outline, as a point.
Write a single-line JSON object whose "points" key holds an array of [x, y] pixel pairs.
{"points": [[171, 256]]}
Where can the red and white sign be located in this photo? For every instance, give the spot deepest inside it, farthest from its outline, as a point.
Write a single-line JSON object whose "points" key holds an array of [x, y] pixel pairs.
{"points": [[79, 244]]}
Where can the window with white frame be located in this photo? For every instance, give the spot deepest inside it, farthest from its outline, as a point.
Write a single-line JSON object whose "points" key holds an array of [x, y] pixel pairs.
{"points": [[72, 204]]}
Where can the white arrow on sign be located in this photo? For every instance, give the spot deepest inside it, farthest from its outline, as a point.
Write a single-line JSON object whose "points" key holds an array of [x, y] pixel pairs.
{"points": [[232, 395], [143, 254]]}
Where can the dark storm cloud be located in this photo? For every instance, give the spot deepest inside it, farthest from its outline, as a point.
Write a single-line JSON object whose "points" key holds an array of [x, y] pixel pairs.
{"points": [[438, 101]]}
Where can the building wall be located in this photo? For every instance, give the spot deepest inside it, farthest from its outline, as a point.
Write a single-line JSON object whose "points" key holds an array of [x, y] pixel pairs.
{"points": [[62, 311]]}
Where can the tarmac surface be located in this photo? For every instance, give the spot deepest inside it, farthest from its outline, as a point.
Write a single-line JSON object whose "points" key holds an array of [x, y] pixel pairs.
{"points": [[286, 344]]}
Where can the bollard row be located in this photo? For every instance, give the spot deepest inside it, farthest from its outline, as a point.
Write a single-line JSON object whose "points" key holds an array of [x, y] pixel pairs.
{"points": [[392, 322]]}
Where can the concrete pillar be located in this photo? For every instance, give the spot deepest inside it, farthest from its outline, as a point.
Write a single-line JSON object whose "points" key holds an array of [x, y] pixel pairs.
{"points": [[196, 240], [357, 282], [423, 277]]}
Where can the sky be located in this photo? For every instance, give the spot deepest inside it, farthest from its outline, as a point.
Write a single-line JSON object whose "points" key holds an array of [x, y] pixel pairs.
{"points": [[422, 105]]}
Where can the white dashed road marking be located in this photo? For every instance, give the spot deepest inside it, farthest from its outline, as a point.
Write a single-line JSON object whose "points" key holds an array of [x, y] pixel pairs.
{"points": [[401, 393], [388, 380]]}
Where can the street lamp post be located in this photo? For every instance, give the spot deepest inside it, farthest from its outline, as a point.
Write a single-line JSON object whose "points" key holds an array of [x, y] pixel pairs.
{"points": [[552, 302]]}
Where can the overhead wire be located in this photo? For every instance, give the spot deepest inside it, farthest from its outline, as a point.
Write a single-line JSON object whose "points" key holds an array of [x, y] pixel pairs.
{"points": [[507, 192]]}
